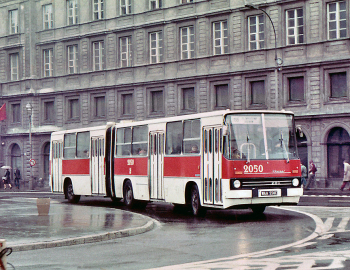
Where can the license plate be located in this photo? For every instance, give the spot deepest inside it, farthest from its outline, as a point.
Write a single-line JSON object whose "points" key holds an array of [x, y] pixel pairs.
{"points": [[270, 193]]}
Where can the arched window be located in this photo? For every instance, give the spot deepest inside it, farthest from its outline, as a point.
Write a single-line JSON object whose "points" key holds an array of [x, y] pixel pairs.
{"points": [[16, 157], [46, 157], [338, 149]]}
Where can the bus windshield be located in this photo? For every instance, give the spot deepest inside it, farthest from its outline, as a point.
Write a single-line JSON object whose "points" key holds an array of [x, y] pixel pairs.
{"points": [[260, 136]]}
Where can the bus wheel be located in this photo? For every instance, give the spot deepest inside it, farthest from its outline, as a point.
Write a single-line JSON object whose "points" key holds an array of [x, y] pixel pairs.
{"points": [[128, 194], [258, 209], [70, 194], [196, 208]]}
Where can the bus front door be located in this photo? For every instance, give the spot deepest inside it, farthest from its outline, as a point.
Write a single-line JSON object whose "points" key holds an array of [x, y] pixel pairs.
{"points": [[97, 165], [212, 155], [56, 166], [156, 165]]}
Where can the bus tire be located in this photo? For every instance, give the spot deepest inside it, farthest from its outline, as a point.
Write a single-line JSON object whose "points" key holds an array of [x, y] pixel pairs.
{"points": [[195, 203], [128, 194], [72, 198], [258, 209]]}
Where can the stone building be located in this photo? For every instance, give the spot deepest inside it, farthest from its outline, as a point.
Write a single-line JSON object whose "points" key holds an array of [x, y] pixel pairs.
{"points": [[78, 63]]}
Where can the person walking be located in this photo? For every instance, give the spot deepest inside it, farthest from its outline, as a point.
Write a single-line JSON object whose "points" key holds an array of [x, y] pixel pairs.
{"points": [[17, 177], [312, 172], [346, 177], [303, 175], [7, 180]]}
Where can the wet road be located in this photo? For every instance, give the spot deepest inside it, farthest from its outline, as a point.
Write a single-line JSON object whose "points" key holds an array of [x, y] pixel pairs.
{"points": [[178, 239]]}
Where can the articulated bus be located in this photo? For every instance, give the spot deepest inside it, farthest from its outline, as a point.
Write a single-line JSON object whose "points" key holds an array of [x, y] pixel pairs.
{"points": [[222, 159]]}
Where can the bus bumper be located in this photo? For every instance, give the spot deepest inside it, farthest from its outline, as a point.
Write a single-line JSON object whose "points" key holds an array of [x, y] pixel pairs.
{"points": [[248, 197]]}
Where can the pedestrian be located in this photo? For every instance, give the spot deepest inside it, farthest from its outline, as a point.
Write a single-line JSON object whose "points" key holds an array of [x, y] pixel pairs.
{"points": [[303, 175], [312, 172], [7, 180], [346, 177], [17, 177]]}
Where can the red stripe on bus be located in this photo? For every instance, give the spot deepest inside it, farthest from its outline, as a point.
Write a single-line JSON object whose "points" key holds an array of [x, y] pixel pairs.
{"points": [[131, 166], [260, 168], [76, 166], [185, 166]]}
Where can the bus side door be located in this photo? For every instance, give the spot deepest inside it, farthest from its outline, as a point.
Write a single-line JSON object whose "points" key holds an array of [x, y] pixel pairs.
{"points": [[157, 165], [212, 158], [97, 165], [56, 166]]}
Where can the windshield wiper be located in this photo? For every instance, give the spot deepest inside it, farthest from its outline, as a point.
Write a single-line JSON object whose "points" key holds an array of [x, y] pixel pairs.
{"points": [[283, 146]]}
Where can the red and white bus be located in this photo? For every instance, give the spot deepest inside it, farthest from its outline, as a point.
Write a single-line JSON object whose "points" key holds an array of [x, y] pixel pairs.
{"points": [[221, 159]]}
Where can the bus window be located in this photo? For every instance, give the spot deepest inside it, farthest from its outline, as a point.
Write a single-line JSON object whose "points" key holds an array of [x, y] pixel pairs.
{"points": [[173, 138], [139, 140], [191, 141], [69, 146], [83, 140], [123, 142]]}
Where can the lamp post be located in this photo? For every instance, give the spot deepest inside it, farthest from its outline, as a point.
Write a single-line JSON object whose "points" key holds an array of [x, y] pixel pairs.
{"points": [[30, 112], [278, 61]]}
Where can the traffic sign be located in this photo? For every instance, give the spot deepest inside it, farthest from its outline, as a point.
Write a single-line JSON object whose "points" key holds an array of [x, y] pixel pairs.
{"points": [[32, 162]]}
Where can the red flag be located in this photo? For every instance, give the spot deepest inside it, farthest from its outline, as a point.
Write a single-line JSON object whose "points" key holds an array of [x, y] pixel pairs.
{"points": [[3, 112]]}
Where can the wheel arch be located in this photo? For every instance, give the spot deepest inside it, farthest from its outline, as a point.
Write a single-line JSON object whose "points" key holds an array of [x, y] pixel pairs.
{"points": [[66, 181], [188, 189]]}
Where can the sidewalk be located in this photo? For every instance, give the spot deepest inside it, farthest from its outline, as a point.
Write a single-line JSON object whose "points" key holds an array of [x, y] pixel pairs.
{"points": [[66, 224]]}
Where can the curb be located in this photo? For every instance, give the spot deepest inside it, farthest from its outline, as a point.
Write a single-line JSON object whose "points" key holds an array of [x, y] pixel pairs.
{"points": [[86, 239]]}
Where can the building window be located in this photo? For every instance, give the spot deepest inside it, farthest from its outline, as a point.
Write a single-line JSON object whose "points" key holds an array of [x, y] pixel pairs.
{"points": [[220, 38], [295, 26], [98, 55], [296, 89], [154, 4], [336, 19], [47, 17], [13, 21], [125, 52], [98, 9], [72, 59], [127, 104], [125, 7], [48, 62], [188, 99], [156, 47], [72, 12], [186, 1], [16, 113], [73, 109], [49, 111], [187, 42], [14, 66], [157, 101], [221, 96], [99, 107], [257, 92], [338, 85], [256, 30]]}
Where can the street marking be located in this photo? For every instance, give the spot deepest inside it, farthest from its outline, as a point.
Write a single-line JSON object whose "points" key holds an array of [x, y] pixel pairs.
{"points": [[328, 223], [326, 236], [306, 244], [342, 224]]}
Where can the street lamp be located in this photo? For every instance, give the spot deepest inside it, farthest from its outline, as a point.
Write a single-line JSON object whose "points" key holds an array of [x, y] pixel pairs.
{"points": [[278, 61], [29, 109]]}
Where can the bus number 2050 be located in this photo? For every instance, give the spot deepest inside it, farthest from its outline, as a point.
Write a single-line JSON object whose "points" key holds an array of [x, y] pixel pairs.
{"points": [[253, 168]]}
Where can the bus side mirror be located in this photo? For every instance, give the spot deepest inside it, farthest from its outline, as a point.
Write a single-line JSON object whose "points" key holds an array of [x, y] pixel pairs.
{"points": [[224, 130], [299, 130]]}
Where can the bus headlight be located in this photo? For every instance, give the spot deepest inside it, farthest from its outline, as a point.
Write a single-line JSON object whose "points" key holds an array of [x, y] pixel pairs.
{"points": [[295, 182], [237, 184]]}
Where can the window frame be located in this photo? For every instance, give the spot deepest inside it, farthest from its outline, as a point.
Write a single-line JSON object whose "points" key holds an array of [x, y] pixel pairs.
{"points": [[72, 63], [74, 15], [128, 54], [158, 49], [47, 16], [13, 21], [69, 111], [150, 93], [48, 65], [257, 40], [337, 21], [101, 55], [12, 68], [44, 118], [16, 119], [190, 52], [157, 4], [224, 48], [99, 13], [127, 7], [94, 111], [248, 82], [181, 98], [121, 106], [286, 87], [213, 95], [296, 34]]}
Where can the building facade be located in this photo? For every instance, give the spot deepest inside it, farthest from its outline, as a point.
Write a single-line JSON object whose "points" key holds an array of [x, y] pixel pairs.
{"points": [[77, 63]]}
